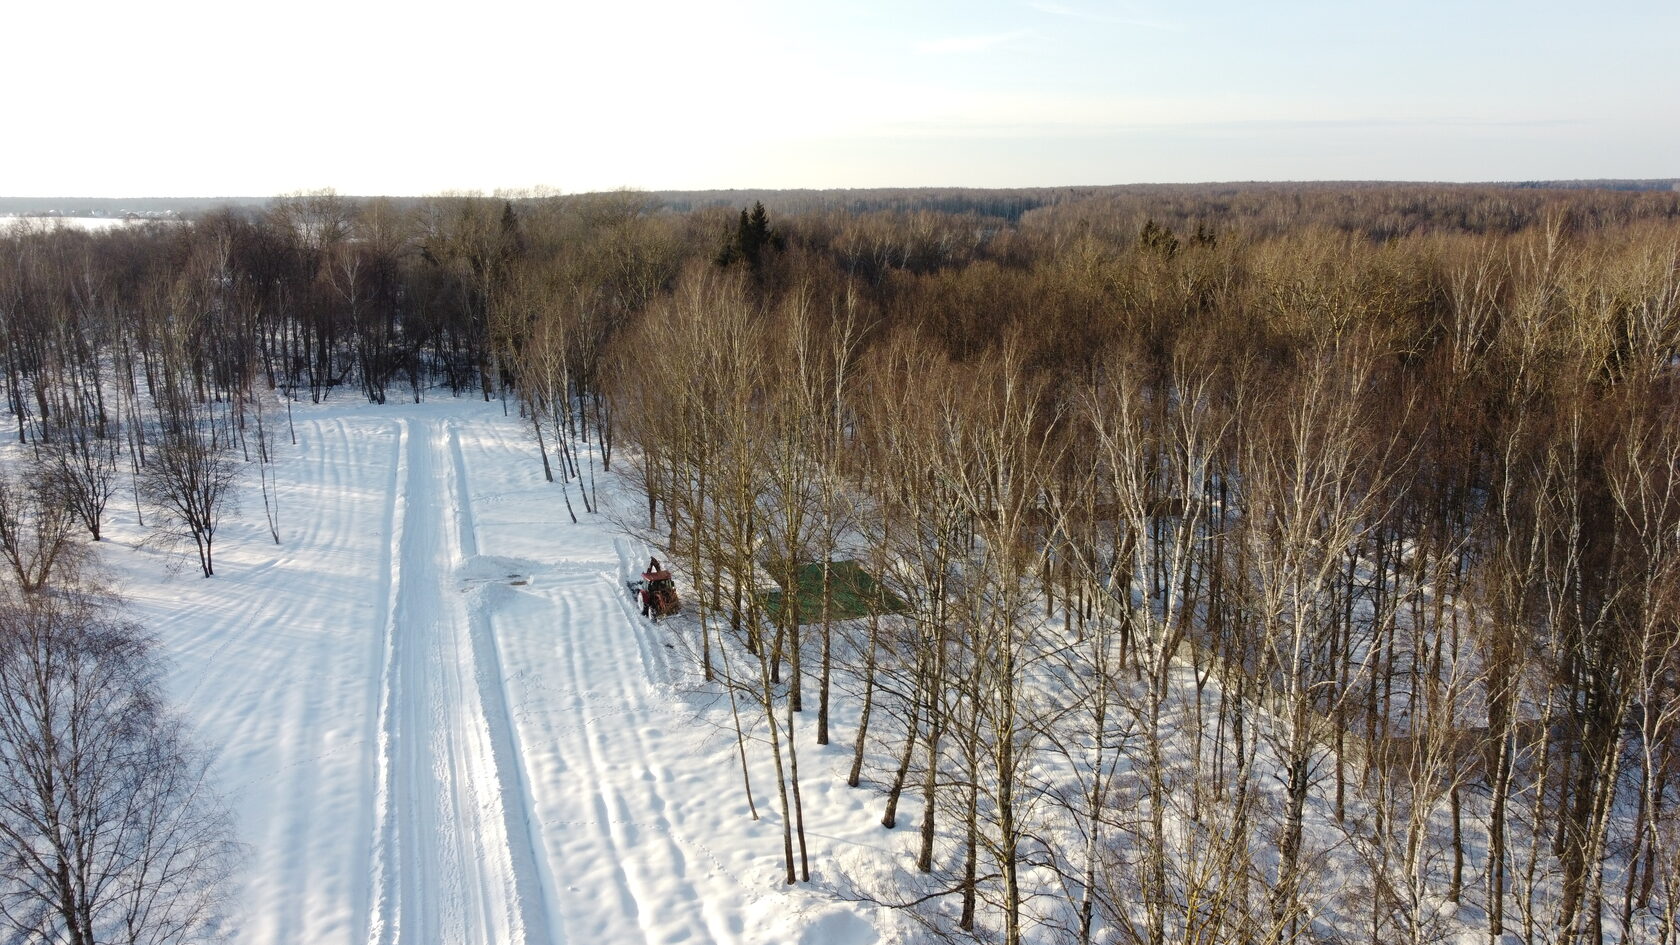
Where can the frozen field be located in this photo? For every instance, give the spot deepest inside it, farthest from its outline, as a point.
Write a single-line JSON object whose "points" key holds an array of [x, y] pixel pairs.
{"points": [[96, 224], [439, 718]]}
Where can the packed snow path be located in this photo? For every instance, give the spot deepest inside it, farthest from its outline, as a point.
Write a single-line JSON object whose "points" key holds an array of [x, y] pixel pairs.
{"points": [[455, 865], [440, 718]]}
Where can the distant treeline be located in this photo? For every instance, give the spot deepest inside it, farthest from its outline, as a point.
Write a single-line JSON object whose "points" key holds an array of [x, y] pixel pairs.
{"points": [[1005, 203]]}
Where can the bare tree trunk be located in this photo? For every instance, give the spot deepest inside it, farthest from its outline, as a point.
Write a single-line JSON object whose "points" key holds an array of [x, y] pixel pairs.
{"points": [[868, 702], [889, 819]]}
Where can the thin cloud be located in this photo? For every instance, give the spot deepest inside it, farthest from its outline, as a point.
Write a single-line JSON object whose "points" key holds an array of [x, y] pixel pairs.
{"points": [[957, 45], [1059, 9], [1055, 8], [1015, 128]]}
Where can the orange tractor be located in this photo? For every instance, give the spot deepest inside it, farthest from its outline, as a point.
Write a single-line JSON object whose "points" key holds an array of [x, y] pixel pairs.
{"points": [[657, 594]]}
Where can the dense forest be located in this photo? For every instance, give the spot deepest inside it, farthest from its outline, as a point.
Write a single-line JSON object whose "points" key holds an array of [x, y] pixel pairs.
{"points": [[1258, 563]]}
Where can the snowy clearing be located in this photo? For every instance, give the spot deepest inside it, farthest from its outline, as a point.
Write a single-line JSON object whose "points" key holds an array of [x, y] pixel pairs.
{"points": [[439, 717]]}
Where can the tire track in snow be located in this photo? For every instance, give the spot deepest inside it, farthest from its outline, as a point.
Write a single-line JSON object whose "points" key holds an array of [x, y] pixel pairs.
{"points": [[580, 758], [656, 663], [284, 650], [376, 910], [328, 470], [291, 708], [625, 808], [444, 867], [598, 776], [302, 711], [524, 838], [382, 916]]}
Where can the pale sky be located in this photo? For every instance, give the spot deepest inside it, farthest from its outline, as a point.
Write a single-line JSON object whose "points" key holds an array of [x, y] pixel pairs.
{"points": [[255, 97]]}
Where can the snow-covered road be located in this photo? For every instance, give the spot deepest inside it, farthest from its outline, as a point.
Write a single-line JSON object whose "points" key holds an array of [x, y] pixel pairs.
{"points": [[440, 718], [453, 865]]}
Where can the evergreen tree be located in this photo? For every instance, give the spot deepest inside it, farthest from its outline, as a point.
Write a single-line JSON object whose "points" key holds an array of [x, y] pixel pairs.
{"points": [[752, 235], [1157, 238]]}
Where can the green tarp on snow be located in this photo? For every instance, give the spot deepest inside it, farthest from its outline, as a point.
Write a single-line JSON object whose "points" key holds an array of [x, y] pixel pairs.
{"points": [[853, 593]]}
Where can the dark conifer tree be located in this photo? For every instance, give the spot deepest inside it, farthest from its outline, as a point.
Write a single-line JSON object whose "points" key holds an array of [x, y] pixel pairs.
{"points": [[1159, 239], [753, 234]]}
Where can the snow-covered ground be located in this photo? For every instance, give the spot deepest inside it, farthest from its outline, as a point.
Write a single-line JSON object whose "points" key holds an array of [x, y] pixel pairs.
{"points": [[439, 719]]}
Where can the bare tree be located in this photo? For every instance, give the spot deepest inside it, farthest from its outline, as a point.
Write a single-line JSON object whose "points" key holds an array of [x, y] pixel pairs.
{"points": [[35, 532], [108, 832], [1310, 499], [190, 482], [84, 477]]}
